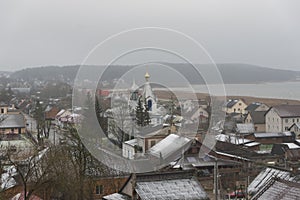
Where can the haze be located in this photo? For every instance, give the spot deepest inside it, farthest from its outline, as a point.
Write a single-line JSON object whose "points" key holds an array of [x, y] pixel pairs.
{"points": [[56, 32]]}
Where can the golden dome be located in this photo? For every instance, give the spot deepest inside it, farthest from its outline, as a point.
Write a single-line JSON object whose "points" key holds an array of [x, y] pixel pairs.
{"points": [[147, 76]]}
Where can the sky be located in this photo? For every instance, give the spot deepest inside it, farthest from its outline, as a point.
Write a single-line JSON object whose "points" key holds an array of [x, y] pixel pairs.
{"points": [[63, 32]]}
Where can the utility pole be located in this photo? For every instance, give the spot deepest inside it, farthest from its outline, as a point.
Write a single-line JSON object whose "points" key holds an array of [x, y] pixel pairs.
{"points": [[216, 182]]}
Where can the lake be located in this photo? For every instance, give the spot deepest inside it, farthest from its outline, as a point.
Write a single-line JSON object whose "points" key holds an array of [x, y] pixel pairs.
{"points": [[282, 90]]}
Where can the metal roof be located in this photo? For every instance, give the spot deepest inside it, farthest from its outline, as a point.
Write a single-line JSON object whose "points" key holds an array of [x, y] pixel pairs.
{"points": [[171, 189], [13, 121], [265, 176], [270, 135], [171, 144], [287, 110], [279, 189], [245, 128]]}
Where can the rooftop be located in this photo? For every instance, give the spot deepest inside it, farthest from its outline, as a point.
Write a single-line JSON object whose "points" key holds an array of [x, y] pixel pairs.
{"points": [[287, 110], [168, 146], [279, 189], [116, 196], [266, 175], [258, 117], [245, 128], [272, 135], [180, 188], [12, 121]]}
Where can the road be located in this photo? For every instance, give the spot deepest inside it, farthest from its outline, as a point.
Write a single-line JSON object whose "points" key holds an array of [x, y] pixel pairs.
{"points": [[54, 136]]}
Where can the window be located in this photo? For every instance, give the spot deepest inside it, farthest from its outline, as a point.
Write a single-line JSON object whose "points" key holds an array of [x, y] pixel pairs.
{"points": [[286, 120], [297, 120], [152, 143], [99, 189], [240, 104], [293, 120], [286, 128]]}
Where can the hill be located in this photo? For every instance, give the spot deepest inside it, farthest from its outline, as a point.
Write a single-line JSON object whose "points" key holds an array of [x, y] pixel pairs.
{"points": [[234, 73]]}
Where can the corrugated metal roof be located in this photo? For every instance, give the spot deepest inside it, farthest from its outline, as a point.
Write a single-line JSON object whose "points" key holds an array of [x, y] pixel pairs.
{"points": [[171, 144], [266, 175], [280, 189], [13, 121], [171, 189], [245, 128]]}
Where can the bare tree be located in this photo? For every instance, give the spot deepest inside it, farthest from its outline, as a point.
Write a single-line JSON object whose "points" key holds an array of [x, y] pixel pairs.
{"points": [[32, 172]]}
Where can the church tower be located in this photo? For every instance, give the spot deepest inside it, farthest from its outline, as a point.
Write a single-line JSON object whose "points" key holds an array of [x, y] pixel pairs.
{"points": [[148, 95]]}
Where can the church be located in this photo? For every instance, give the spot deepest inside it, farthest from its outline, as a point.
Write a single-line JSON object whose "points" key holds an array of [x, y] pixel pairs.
{"points": [[148, 99]]}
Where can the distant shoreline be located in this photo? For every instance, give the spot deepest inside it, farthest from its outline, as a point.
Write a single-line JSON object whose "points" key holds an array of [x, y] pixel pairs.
{"points": [[248, 99]]}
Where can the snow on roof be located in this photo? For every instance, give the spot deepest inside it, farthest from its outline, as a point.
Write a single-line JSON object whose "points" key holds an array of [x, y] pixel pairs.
{"points": [[115, 196], [60, 113], [131, 142], [292, 145], [279, 189], [251, 144], [169, 145], [232, 139], [7, 178], [262, 135], [231, 155], [266, 175], [171, 189]]}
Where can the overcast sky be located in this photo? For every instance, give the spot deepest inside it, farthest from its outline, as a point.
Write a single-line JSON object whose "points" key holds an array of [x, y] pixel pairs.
{"points": [[60, 32]]}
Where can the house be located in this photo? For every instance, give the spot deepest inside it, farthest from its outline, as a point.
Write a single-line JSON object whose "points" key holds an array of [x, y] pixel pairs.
{"points": [[129, 148], [277, 188], [273, 138], [295, 128], [257, 118], [289, 151], [51, 112], [12, 124], [261, 180], [3, 108], [170, 148], [256, 107], [65, 117], [163, 185], [200, 115], [235, 106], [280, 118]]}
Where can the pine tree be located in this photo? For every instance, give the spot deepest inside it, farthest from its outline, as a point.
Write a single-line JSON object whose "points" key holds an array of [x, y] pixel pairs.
{"points": [[139, 113], [142, 114]]}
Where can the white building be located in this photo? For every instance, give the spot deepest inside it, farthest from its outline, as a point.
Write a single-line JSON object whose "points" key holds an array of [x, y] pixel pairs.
{"points": [[280, 118], [129, 148], [235, 106]]}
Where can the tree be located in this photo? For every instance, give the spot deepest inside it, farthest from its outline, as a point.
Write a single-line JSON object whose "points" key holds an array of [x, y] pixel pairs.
{"points": [[100, 115], [33, 172], [142, 114]]}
